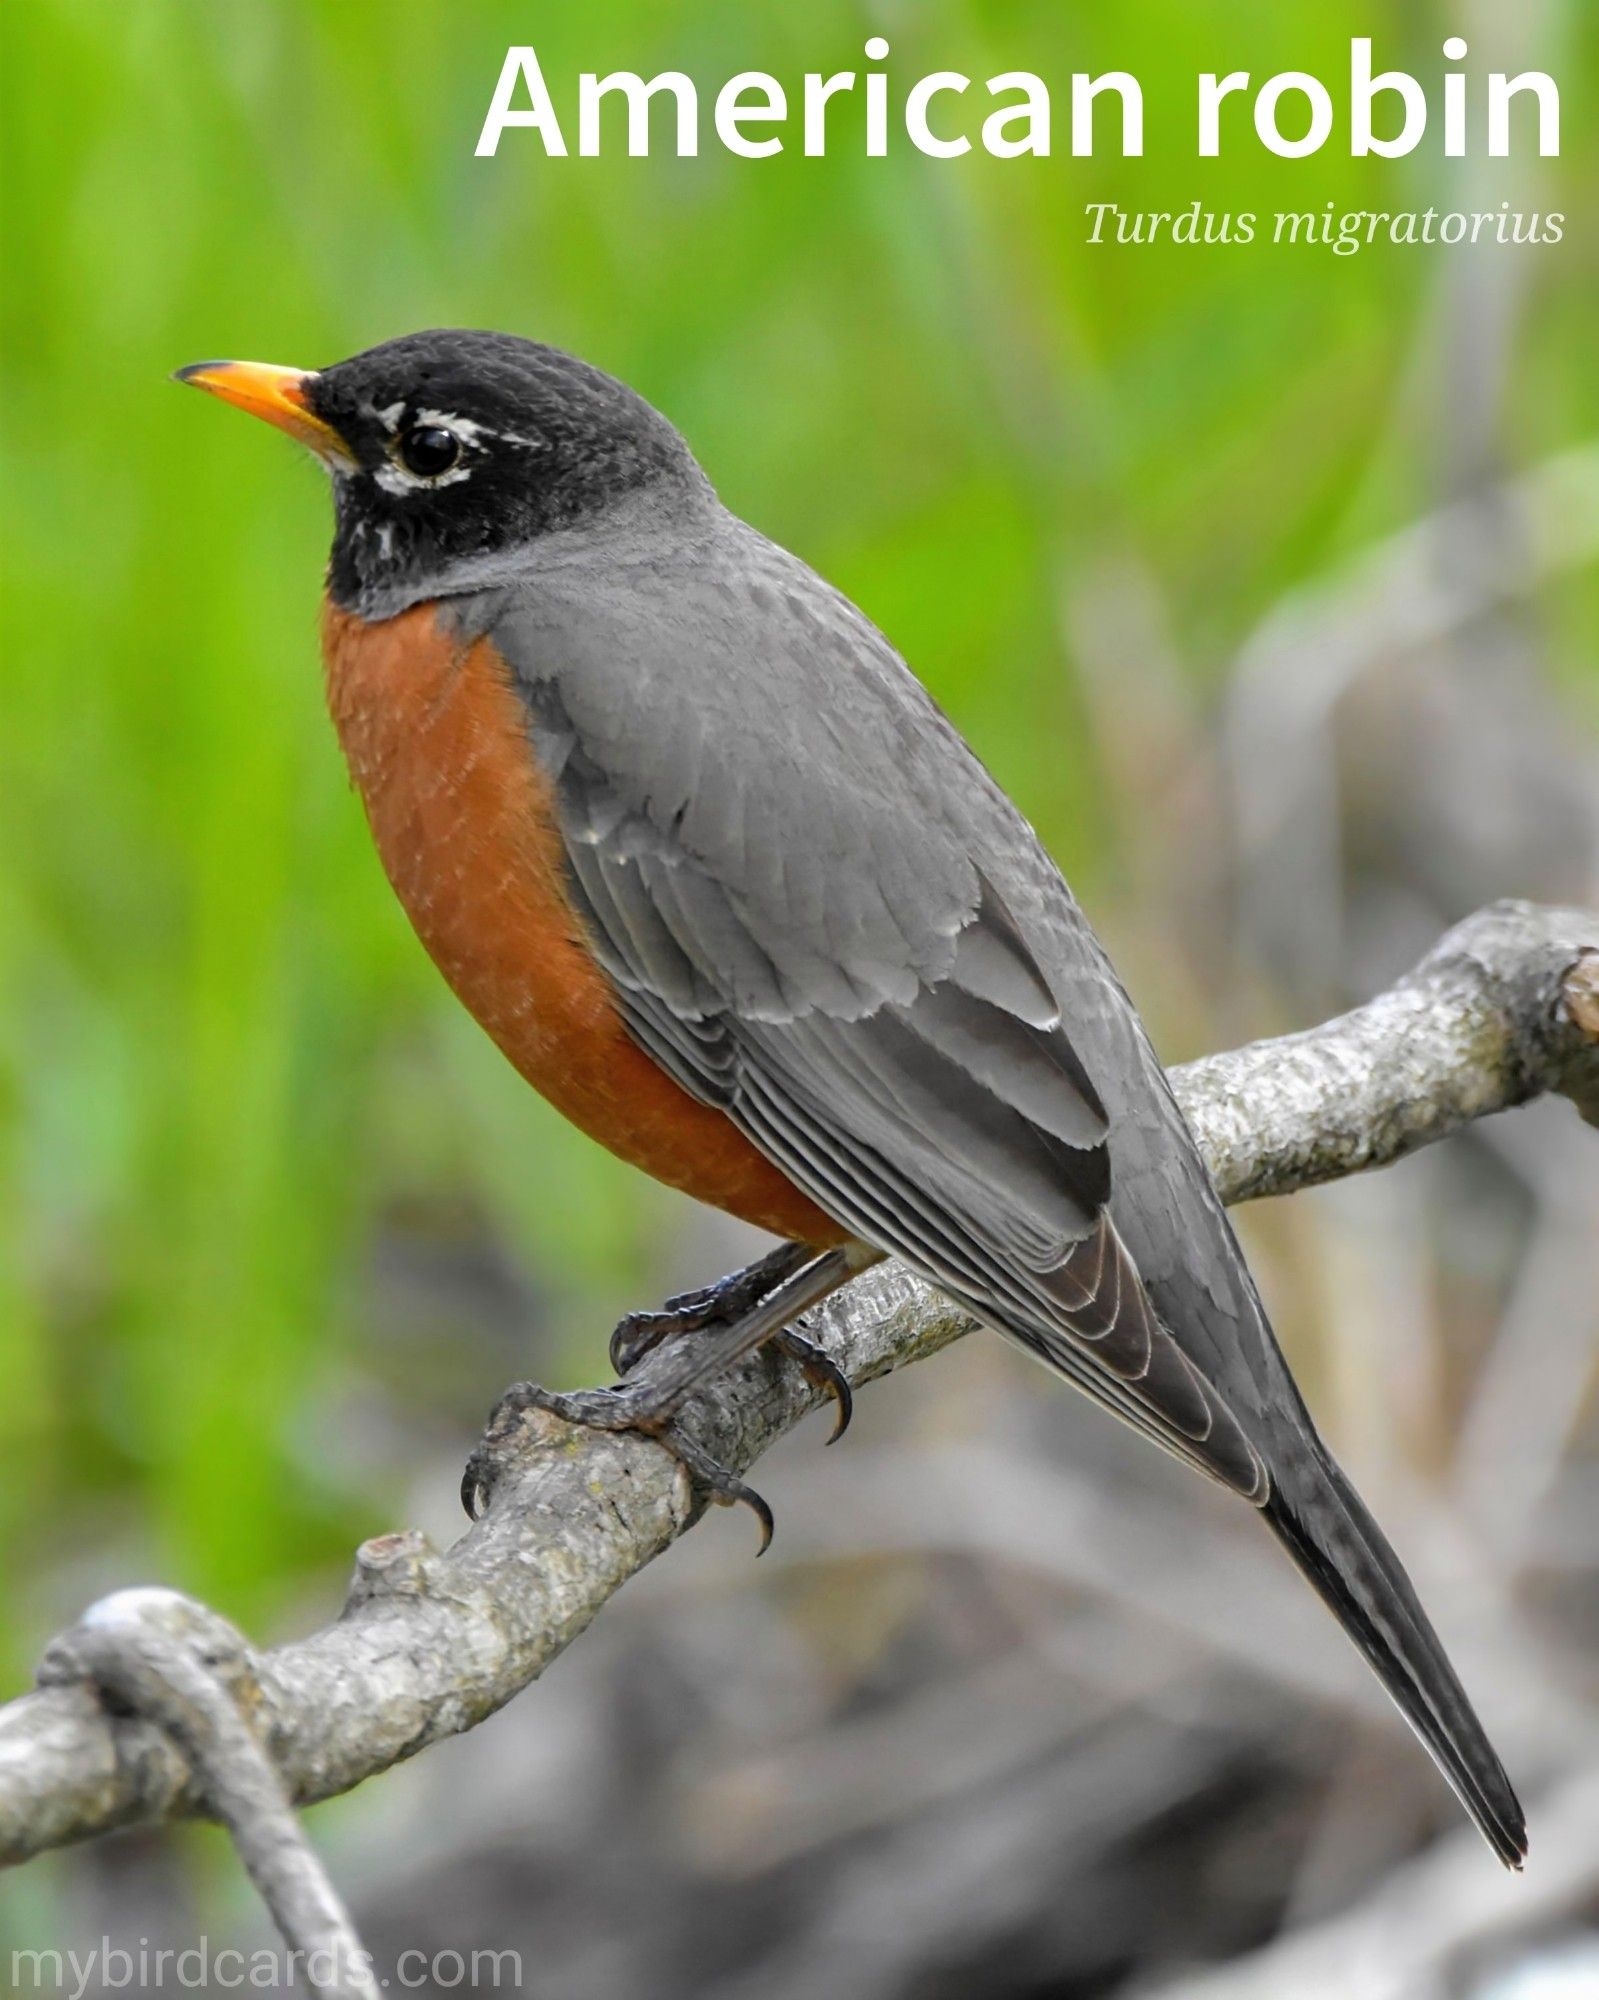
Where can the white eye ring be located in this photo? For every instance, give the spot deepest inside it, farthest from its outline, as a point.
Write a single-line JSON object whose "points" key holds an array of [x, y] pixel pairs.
{"points": [[428, 452]]}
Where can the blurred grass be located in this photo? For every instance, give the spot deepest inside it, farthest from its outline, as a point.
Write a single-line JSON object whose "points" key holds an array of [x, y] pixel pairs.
{"points": [[225, 1061]]}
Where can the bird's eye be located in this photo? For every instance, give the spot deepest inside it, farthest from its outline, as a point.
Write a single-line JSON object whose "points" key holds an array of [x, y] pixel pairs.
{"points": [[428, 451]]}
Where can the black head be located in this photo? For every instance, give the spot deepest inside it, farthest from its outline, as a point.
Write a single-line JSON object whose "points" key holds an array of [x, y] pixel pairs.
{"points": [[449, 449]]}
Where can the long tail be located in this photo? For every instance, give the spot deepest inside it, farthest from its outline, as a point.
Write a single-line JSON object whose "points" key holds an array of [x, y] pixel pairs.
{"points": [[1323, 1523]]}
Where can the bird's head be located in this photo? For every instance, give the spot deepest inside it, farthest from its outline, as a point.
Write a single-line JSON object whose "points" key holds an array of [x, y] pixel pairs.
{"points": [[451, 451]]}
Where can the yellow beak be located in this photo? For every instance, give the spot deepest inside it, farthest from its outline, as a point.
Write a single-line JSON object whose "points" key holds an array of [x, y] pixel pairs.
{"points": [[275, 394]]}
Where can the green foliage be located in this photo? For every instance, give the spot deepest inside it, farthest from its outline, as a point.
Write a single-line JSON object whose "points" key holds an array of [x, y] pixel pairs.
{"points": [[226, 1063]]}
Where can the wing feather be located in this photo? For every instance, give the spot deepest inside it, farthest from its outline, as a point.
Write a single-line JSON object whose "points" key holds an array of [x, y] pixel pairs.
{"points": [[955, 1126]]}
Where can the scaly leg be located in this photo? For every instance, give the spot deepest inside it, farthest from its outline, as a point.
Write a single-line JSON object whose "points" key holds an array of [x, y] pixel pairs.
{"points": [[640, 1333], [651, 1407]]}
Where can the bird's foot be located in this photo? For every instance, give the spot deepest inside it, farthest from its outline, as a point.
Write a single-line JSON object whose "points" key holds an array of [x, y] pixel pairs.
{"points": [[721, 1305], [619, 1409], [822, 1372], [784, 1286], [640, 1333]]}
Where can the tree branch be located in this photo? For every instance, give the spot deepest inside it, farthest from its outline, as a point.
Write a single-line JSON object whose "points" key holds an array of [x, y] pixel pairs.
{"points": [[159, 1655], [1505, 1008]]}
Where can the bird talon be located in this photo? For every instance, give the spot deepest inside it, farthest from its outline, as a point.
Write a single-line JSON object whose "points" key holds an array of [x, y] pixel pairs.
{"points": [[609, 1410], [724, 1487], [481, 1472], [823, 1373], [477, 1484], [639, 1333], [597, 1409]]}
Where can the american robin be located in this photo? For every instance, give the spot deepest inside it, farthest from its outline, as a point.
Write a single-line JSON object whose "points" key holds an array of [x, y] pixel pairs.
{"points": [[687, 837]]}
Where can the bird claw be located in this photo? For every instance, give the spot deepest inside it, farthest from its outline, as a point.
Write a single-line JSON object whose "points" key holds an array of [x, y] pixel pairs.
{"points": [[481, 1472], [754, 1307], [603, 1410], [724, 1487], [640, 1333], [822, 1372]]}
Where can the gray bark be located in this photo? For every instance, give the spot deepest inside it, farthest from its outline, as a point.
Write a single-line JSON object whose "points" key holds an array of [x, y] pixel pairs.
{"points": [[1505, 1008], [182, 1668]]}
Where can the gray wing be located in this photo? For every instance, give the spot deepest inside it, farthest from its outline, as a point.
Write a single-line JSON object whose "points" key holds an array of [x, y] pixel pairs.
{"points": [[815, 948]]}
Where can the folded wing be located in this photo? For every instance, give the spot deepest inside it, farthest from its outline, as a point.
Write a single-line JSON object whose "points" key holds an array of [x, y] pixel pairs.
{"points": [[942, 1114]]}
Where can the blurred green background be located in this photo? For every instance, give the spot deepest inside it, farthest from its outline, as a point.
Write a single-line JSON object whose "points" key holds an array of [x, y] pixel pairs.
{"points": [[239, 1114]]}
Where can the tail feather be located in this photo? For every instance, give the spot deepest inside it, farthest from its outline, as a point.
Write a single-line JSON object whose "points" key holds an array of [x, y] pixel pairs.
{"points": [[1324, 1525]]}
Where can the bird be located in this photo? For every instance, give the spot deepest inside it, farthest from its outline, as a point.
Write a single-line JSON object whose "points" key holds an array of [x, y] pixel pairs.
{"points": [[694, 845]]}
